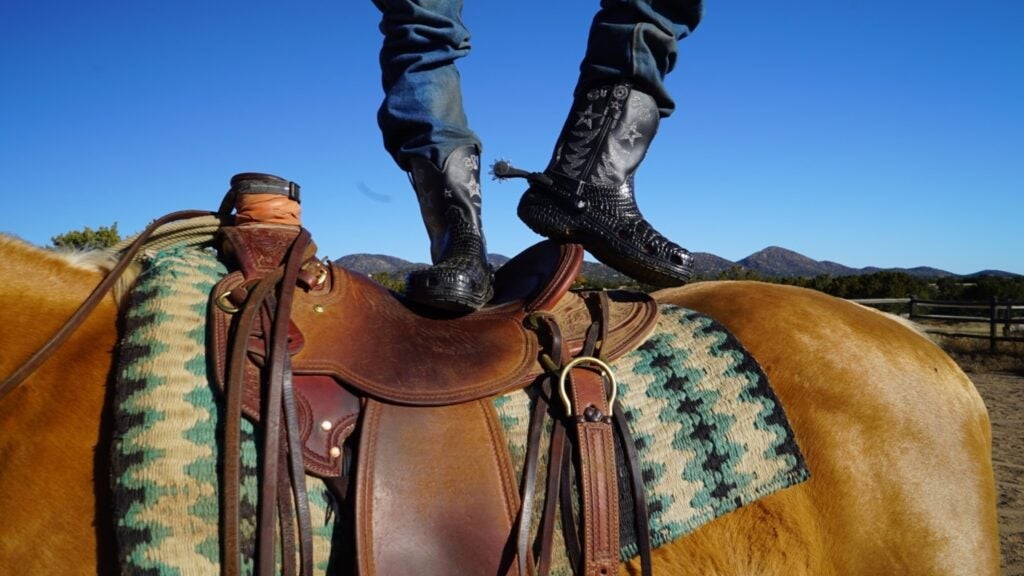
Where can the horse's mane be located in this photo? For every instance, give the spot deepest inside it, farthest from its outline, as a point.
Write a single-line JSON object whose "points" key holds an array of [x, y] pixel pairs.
{"points": [[96, 260], [14, 250]]}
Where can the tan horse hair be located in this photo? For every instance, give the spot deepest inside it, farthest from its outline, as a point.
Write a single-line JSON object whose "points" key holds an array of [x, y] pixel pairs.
{"points": [[897, 438], [98, 261]]}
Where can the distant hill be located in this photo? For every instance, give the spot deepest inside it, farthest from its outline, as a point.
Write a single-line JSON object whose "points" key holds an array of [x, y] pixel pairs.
{"points": [[919, 271], [774, 261], [378, 263], [603, 275], [996, 273], [780, 262], [707, 264]]}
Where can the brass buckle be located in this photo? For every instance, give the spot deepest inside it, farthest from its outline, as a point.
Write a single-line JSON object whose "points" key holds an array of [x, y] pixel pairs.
{"points": [[606, 372]]}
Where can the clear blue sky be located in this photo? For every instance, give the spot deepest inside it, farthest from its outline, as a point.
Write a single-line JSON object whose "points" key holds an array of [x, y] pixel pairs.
{"points": [[864, 133]]}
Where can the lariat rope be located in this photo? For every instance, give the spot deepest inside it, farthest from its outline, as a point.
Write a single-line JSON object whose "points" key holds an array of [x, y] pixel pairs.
{"points": [[196, 232]]}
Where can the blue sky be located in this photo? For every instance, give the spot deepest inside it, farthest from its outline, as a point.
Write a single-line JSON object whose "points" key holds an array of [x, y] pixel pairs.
{"points": [[866, 136]]}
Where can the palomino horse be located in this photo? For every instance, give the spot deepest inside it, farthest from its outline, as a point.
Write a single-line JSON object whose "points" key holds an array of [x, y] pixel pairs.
{"points": [[895, 435]]}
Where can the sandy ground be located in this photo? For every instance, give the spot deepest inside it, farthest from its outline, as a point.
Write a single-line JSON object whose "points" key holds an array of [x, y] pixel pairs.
{"points": [[1004, 397]]}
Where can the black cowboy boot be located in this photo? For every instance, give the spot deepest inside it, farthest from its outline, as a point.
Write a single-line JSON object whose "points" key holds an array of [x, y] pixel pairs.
{"points": [[586, 193], [460, 279]]}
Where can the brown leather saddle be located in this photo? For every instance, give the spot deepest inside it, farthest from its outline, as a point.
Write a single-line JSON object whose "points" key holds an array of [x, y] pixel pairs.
{"points": [[392, 406]]}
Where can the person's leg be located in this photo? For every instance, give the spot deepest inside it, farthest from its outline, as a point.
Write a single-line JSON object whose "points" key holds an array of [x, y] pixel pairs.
{"points": [[636, 41], [586, 193], [426, 131], [422, 114]]}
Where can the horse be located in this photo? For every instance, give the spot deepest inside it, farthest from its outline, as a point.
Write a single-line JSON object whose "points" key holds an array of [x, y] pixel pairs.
{"points": [[896, 437]]}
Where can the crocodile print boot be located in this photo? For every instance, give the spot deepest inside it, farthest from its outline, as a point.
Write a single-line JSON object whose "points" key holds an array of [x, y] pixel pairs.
{"points": [[586, 193], [460, 279]]}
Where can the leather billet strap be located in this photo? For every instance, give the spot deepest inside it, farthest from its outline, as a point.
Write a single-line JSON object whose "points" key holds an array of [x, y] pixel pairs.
{"points": [[598, 481], [582, 390]]}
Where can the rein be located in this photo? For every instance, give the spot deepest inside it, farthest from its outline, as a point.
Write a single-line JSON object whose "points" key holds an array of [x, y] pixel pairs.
{"points": [[128, 255]]}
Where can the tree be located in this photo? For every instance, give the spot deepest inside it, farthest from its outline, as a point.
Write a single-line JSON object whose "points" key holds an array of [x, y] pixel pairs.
{"points": [[393, 282], [87, 238]]}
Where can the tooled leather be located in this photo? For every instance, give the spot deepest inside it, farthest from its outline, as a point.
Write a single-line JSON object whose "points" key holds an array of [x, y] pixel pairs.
{"points": [[257, 249], [390, 352], [367, 339], [319, 398], [372, 342], [598, 476]]}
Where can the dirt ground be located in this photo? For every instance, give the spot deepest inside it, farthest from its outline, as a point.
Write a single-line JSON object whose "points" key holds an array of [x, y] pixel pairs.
{"points": [[1004, 396]]}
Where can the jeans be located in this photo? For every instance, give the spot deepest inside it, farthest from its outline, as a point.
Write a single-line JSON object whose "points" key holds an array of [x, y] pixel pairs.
{"points": [[422, 113]]}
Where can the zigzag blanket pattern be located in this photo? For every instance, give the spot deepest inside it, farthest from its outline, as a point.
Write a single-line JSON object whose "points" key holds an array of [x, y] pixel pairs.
{"points": [[710, 432], [167, 417]]}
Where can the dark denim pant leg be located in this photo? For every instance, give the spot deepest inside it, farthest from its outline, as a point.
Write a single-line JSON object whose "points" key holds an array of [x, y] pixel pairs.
{"points": [[635, 40], [422, 113]]}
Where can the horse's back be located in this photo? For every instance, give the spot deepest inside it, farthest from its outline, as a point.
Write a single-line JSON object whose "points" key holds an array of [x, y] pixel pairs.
{"points": [[896, 437]]}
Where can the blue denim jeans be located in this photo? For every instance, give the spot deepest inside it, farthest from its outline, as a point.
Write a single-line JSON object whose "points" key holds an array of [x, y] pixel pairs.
{"points": [[422, 113]]}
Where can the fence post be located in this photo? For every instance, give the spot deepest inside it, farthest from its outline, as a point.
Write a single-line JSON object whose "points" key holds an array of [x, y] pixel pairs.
{"points": [[912, 300], [992, 318]]}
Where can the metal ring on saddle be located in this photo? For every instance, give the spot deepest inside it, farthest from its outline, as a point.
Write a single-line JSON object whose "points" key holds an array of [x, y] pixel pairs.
{"points": [[606, 372], [224, 304]]}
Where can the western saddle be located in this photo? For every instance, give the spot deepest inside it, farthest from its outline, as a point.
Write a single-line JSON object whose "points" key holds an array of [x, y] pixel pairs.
{"points": [[391, 405]]}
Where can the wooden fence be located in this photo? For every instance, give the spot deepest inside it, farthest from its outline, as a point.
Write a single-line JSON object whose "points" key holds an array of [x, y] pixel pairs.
{"points": [[1004, 318]]}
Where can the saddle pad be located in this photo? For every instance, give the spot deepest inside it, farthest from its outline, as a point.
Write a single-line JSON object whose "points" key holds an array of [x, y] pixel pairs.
{"points": [[710, 431], [164, 461]]}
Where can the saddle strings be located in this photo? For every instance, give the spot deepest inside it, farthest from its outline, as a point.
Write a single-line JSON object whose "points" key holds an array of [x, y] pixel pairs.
{"points": [[234, 385], [529, 488], [282, 475], [559, 482], [280, 399]]}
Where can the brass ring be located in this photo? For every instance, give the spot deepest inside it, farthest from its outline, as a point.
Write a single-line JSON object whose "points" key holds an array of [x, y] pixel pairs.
{"points": [[606, 371], [223, 303]]}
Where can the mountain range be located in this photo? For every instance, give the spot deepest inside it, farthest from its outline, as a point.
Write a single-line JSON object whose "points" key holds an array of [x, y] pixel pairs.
{"points": [[772, 262]]}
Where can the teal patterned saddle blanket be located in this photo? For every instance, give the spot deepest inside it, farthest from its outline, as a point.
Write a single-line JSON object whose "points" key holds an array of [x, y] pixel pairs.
{"points": [[710, 432]]}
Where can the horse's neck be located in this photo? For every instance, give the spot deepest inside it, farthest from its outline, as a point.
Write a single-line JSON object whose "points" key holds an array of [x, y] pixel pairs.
{"points": [[39, 290], [33, 272]]}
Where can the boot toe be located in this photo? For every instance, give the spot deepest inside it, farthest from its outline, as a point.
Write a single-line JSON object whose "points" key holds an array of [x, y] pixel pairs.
{"points": [[451, 289]]}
